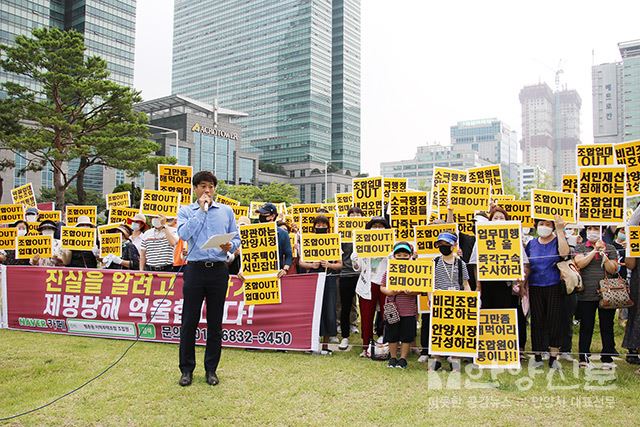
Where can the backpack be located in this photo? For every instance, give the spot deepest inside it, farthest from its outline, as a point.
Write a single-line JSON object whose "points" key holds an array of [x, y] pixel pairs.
{"points": [[460, 279]]}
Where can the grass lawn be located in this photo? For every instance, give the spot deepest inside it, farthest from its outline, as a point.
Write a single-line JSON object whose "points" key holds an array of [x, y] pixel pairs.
{"points": [[269, 388]]}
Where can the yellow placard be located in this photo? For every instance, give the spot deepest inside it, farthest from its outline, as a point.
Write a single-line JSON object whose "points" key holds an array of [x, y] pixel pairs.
{"points": [[176, 179], [8, 237], [518, 210], [119, 215], [446, 175], [628, 153], [633, 241], [427, 235], [464, 220], [281, 208], [320, 247], [595, 155], [373, 243], [155, 202], [11, 213], [499, 198], [487, 175], [423, 304], [29, 246], [545, 204], [306, 222], [391, 185], [602, 195], [498, 339], [110, 244], [368, 195], [78, 238], [633, 181], [499, 251], [24, 195], [346, 226], [465, 196], [300, 208], [344, 202], [454, 323], [260, 252], [407, 210], [122, 199], [410, 275], [102, 229], [239, 211], [440, 198], [227, 200], [55, 216], [293, 240], [570, 183], [253, 207], [72, 213], [262, 291]]}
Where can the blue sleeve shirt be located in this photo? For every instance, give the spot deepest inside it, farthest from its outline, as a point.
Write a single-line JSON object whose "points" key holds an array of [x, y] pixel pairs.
{"points": [[286, 255]]}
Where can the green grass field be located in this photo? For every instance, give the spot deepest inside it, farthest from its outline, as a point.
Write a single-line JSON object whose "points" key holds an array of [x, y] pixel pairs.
{"points": [[270, 388]]}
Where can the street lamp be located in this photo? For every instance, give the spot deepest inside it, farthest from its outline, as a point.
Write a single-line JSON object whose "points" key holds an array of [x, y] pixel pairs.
{"points": [[167, 130], [326, 167]]}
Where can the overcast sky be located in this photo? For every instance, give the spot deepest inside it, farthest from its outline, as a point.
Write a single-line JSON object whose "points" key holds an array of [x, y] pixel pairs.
{"points": [[426, 66]]}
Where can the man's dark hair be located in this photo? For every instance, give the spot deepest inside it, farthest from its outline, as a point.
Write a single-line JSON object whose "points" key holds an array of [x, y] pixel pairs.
{"points": [[204, 176], [355, 210], [321, 219]]}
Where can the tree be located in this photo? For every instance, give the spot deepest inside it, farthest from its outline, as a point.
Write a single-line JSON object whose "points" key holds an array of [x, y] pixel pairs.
{"points": [[275, 192], [71, 111], [92, 198], [136, 193], [271, 167]]}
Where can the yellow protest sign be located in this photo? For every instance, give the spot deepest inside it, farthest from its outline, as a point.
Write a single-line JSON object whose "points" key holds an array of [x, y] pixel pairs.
{"points": [[368, 194], [306, 222], [498, 339], [487, 175], [122, 199], [595, 155], [78, 238], [176, 179], [259, 249], [408, 210], [110, 244], [24, 195], [602, 195], [293, 239], [155, 202], [224, 200], [72, 213], [454, 323], [545, 204], [308, 208], [440, 198], [373, 243], [102, 229], [346, 226], [11, 213], [120, 215], [54, 216], [499, 251], [410, 275], [397, 185], [443, 175], [239, 211], [344, 202], [463, 218], [633, 181], [518, 210], [633, 241], [570, 184], [29, 246], [281, 208], [423, 303], [628, 153], [499, 198], [253, 207], [8, 237], [465, 196], [426, 236], [320, 247], [261, 291]]}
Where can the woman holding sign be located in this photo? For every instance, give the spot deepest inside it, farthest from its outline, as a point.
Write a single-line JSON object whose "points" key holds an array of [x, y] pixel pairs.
{"points": [[9, 257], [129, 258], [59, 256], [84, 259]]}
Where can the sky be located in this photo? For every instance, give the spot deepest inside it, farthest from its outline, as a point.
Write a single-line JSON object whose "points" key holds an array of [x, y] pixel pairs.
{"points": [[427, 65]]}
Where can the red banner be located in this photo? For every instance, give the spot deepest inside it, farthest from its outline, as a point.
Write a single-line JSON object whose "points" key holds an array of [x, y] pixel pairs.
{"points": [[119, 303]]}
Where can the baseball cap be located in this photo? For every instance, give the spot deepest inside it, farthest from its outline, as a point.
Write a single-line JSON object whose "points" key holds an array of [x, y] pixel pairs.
{"points": [[447, 237], [31, 211], [402, 247], [377, 220], [268, 209], [47, 224]]}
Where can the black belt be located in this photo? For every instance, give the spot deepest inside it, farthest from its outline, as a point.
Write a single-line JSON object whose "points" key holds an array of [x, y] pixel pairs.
{"points": [[158, 268], [207, 264]]}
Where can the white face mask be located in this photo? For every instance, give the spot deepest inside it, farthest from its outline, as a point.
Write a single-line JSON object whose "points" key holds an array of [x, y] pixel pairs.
{"points": [[31, 218], [544, 231], [593, 236], [135, 226], [48, 232], [155, 222], [22, 232], [572, 240]]}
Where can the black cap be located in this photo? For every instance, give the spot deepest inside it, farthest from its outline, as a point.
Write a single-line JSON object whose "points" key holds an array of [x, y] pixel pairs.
{"points": [[268, 209], [47, 223], [377, 220]]}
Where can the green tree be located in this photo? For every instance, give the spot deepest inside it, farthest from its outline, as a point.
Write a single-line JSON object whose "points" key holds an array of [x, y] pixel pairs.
{"points": [[72, 111], [136, 193], [275, 192], [92, 198]]}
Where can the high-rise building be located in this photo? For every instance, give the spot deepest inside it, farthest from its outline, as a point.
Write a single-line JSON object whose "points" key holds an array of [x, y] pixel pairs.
{"points": [[616, 96], [292, 66]]}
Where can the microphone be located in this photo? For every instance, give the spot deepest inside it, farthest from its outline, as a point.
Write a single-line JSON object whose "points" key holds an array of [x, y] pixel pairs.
{"points": [[206, 206]]}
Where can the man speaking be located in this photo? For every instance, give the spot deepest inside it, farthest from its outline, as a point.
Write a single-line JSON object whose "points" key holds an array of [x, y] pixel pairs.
{"points": [[205, 275]]}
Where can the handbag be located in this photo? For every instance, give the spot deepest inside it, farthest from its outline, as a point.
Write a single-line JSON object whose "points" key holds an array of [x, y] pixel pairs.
{"points": [[378, 350], [571, 277], [614, 293], [391, 314]]}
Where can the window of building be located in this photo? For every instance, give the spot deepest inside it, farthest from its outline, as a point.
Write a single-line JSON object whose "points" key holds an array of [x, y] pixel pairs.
{"points": [[324, 194], [47, 176], [19, 177], [313, 193], [302, 193], [245, 172]]}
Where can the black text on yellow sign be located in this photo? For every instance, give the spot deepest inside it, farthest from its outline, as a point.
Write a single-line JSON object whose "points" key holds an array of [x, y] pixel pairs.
{"points": [[253, 209], [308, 208], [373, 243], [410, 275], [24, 195], [445, 176], [595, 155], [8, 238], [546, 204], [74, 212], [464, 196], [306, 221], [570, 183], [239, 211], [154, 203], [344, 202], [499, 251], [259, 249], [346, 226], [262, 291], [176, 179], [440, 198], [454, 323], [408, 210], [110, 244], [226, 200], [54, 216], [487, 175], [78, 238], [464, 219], [518, 210], [427, 235], [11, 213], [391, 185], [320, 247], [368, 194], [122, 199], [628, 153], [498, 339], [119, 215], [29, 246], [633, 241], [602, 195]]}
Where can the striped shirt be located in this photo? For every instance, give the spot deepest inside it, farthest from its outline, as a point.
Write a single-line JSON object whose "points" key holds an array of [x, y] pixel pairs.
{"points": [[446, 275], [407, 305], [158, 251]]}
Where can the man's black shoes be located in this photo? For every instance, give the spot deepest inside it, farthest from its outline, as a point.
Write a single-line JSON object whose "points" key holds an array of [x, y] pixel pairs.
{"points": [[212, 378], [186, 379]]}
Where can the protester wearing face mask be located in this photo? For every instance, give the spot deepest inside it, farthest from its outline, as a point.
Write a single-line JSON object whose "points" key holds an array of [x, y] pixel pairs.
{"points": [[138, 226], [157, 246], [466, 242], [59, 256], [620, 243], [269, 213], [595, 259], [31, 215], [130, 258], [328, 321], [545, 290], [84, 259], [8, 257]]}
